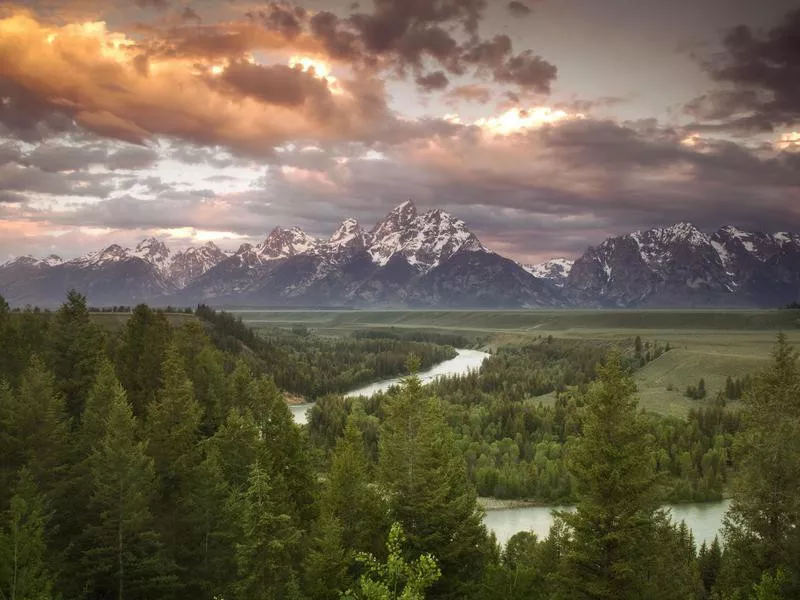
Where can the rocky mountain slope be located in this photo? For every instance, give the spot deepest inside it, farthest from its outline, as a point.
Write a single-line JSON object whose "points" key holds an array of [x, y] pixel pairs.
{"points": [[679, 266], [426, 259]]}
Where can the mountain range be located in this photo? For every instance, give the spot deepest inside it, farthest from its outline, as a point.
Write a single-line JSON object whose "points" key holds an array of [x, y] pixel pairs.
{"points": [[431, 259]]}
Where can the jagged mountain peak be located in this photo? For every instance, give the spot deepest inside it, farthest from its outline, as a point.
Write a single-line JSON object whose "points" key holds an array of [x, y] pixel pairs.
{"points": [[424, 241], [400, 217], [347, 232], [282, 243]]}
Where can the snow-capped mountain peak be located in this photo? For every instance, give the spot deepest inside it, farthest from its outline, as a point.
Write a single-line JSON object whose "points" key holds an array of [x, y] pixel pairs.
{"points": [[423, 240], [282, 243], [401, 217], [155, 252], [31, 261], [348, 233]]}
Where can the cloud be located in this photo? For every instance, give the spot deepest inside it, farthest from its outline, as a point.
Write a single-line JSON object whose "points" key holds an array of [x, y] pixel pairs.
{"points": [[156, 4], [757, 75], [518, 9], [433, 81], [189, 14], [479, 94], [18, 178], [91, 75], [527, 71], [284, 18]]}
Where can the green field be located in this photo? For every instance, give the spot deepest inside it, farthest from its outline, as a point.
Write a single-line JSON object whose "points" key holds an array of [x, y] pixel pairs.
{"points": [[712, 344]]}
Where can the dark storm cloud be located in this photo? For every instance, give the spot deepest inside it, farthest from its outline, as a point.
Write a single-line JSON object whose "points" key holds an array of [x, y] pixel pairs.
{"points": [[336, 38], [277, 84], [284, 18], [760, 75], [489, 53], [433, 81], [527, 71], [518, 9], [27, 117], [393, 20]]}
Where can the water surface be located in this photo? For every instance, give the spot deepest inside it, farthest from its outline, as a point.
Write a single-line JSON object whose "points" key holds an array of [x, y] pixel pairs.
{"points": [[703, 518], [464, 361]]}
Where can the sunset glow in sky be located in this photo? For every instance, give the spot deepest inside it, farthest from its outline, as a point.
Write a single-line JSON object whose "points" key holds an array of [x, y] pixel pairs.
{"points": [[544, 124]]}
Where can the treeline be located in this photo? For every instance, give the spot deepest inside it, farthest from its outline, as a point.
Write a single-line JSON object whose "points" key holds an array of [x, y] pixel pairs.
{"points": [[521, 450], [313, 366], [432, 337]]}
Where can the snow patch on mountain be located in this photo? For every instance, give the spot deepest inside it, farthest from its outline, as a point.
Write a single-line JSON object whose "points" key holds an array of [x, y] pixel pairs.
{"points": [[555, 270]]}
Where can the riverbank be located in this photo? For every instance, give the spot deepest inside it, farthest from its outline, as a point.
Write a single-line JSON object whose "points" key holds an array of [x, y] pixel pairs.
{"points": [[489, 503]]}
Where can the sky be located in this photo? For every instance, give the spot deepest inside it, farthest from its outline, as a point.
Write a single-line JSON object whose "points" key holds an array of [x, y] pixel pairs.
{"points": [[546, 125]]}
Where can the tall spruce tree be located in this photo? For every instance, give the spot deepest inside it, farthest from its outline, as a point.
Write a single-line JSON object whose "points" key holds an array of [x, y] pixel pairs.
{"points": [[76, 346], [286, 456], [762, 527], [352, 519], [123, 555], [24, 574], [614, 524], [173, 433], [36, 427], [71, 516], [425, 478], [141, 356], [268, 548]]}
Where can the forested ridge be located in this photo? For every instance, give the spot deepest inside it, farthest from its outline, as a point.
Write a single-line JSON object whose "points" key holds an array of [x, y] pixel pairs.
{"points": [[161, 461]]}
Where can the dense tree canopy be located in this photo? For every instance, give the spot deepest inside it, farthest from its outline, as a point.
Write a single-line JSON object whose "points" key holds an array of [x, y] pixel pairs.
{"points": [[159, 459]]}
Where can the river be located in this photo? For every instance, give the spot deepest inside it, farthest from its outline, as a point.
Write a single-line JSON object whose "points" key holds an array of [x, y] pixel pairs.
{"points": [[464, 361], [703, 518]]}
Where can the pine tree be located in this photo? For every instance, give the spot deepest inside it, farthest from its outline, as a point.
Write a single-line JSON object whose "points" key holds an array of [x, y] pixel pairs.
{"points": [[173, 424], [425, 478], [11, 355], [141, 356], [326, 561], [238, 445], [352, 499], [76, 346], [709, 560], [123, 557], [208, 543], [269, 542], [23, 571], [760, 529], [10, 448], [75, 493], [286, 458], [613, 526], [36, 427], [173, 432]]}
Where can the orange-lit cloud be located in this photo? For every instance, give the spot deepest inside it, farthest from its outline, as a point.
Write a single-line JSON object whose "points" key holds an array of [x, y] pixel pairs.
{"points": [[104, 81]]}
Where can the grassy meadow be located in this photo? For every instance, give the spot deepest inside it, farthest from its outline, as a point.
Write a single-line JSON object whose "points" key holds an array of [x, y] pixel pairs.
{"points": [[712, 344]]}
